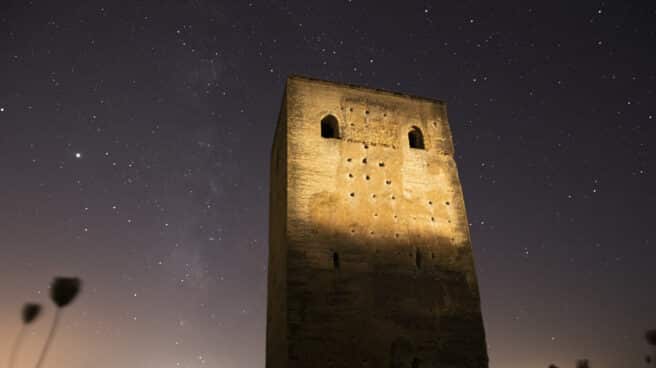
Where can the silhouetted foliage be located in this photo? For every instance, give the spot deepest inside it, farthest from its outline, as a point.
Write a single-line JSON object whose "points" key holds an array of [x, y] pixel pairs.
{"points": [[552, 366], [650, 336], [30, 312], [64, 290], [583, 363]]}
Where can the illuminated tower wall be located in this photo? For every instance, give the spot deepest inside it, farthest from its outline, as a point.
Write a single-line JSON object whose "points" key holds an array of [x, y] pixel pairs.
{"points": [[370, 261]]}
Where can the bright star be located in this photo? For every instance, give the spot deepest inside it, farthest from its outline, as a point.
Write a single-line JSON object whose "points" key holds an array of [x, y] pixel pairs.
{"points": [[78, 155]]}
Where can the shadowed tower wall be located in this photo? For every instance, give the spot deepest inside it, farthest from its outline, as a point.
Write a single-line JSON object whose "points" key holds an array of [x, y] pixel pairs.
{"points": [[370, 261]]}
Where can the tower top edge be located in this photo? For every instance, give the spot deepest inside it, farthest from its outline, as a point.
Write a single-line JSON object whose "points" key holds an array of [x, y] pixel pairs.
{"points": [[293, 77]]}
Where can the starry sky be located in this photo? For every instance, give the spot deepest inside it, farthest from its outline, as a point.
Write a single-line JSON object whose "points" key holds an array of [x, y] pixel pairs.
{"points": [[134, 153]]}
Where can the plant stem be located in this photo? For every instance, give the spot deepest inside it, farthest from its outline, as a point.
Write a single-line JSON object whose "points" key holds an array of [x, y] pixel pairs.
{"points": [[55, 322], [16, 346]]}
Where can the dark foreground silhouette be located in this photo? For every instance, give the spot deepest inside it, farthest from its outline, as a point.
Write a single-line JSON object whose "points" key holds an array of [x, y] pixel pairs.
{"points": [[63, 291]]}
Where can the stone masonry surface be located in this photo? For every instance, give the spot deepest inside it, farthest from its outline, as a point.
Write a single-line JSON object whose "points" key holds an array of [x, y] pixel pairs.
{"points": [[370, 260]]}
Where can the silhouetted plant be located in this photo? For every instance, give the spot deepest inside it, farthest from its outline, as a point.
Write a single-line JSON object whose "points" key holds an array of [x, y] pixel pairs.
{"points": [[29, 313], [650, 336], [552, 366], [63, 291], [583, 363]]}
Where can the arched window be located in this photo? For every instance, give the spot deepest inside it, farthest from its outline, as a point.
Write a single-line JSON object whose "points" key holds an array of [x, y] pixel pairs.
{"points": [[415, 138], [329, 127]]}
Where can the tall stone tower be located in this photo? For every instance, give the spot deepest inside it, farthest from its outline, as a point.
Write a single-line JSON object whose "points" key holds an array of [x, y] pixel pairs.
{"points": [[370, 261]]}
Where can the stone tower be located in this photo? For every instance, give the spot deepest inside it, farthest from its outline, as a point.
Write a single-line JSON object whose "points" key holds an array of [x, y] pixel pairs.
{"points": [[370, 261]]}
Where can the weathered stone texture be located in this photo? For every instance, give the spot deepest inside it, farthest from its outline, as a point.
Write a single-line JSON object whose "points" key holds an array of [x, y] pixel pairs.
{"points": [[370, 259]]}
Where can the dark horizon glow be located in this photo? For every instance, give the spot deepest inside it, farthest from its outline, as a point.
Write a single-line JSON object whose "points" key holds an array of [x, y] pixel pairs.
{"points": [[134, 153]]}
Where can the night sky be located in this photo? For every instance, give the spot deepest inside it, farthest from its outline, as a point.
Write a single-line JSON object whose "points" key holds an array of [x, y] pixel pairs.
{"points": [[134, 153]]}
